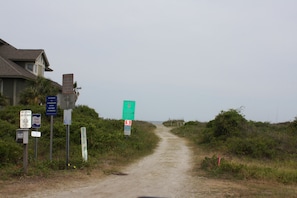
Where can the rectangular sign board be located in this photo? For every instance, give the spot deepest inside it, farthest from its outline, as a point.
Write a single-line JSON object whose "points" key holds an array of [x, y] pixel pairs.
{"points": [[127, 130], [25, 119], [67, 116], [128, 122], [51, 105], [128, 110], [36, 120], [36, 134], [84, 146]]}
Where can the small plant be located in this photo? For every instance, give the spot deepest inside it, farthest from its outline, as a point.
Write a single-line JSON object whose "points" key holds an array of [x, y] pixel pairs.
{"points": [[210, 163]]}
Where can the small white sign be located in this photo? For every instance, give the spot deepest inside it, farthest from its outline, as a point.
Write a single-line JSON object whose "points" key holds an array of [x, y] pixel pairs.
{"points": [[127, 130], [25, 119], [67, 116], [36, 134], [84, 146], [36, 120]]}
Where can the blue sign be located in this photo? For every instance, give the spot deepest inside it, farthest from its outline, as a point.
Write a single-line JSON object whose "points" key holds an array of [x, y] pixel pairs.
{"points": [[51, 105], [36, 120]]}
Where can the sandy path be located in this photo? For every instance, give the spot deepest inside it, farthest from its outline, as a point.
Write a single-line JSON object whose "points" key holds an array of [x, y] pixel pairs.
{"points": [[162, 174]]}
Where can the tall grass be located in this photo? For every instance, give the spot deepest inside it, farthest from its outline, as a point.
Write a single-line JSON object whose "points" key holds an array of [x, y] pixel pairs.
{"points": [[248, 171]]}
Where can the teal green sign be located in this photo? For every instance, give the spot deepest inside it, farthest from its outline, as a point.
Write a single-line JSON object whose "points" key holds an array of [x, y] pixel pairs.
{"points": [[128, 110]]}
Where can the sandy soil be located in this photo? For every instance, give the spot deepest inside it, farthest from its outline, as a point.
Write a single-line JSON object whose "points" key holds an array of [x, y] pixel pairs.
{"points": [[165, 173]]}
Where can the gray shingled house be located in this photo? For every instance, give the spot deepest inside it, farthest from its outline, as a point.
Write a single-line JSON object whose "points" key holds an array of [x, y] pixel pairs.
{"points": [[17, 67]]}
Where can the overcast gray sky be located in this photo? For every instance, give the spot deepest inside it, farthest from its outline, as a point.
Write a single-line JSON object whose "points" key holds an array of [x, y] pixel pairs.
{"points": [[178, 59]]}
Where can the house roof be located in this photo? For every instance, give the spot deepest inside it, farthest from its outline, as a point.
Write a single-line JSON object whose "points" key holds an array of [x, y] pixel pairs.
{"points": [[9, 55], [9, 69]]}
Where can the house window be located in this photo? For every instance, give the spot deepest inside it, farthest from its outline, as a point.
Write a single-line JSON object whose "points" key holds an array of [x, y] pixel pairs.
{"points": [[31, 67]]}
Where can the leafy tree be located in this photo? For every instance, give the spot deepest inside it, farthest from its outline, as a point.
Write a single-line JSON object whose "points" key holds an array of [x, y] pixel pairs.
{"points": [[37, 91]]}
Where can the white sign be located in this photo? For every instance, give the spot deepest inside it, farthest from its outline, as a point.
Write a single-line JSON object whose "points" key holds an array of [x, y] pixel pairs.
{"points": [[25, 119], [36, 120], [67, 117], [127, 130], [84, 146], [36, 134]]}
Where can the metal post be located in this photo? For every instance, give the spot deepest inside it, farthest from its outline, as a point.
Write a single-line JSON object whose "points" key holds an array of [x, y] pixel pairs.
{"points": [[25, 153], [36, 140], [51, 139], [35, 147], [25, 158], [67, 144]]}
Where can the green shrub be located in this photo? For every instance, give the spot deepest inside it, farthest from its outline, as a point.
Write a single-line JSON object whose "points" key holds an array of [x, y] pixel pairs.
{"points": [[256, 147], [228, 124], [192, 123], [173, 123], [85, 111], [7, 129], [10, 152]]}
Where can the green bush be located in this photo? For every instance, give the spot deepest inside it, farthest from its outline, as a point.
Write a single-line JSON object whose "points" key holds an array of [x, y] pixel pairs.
{"points": [[192, 123], [256, 147], [173, 123], [10, 152], [86, 112], [7, 129], [228, 124]]}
